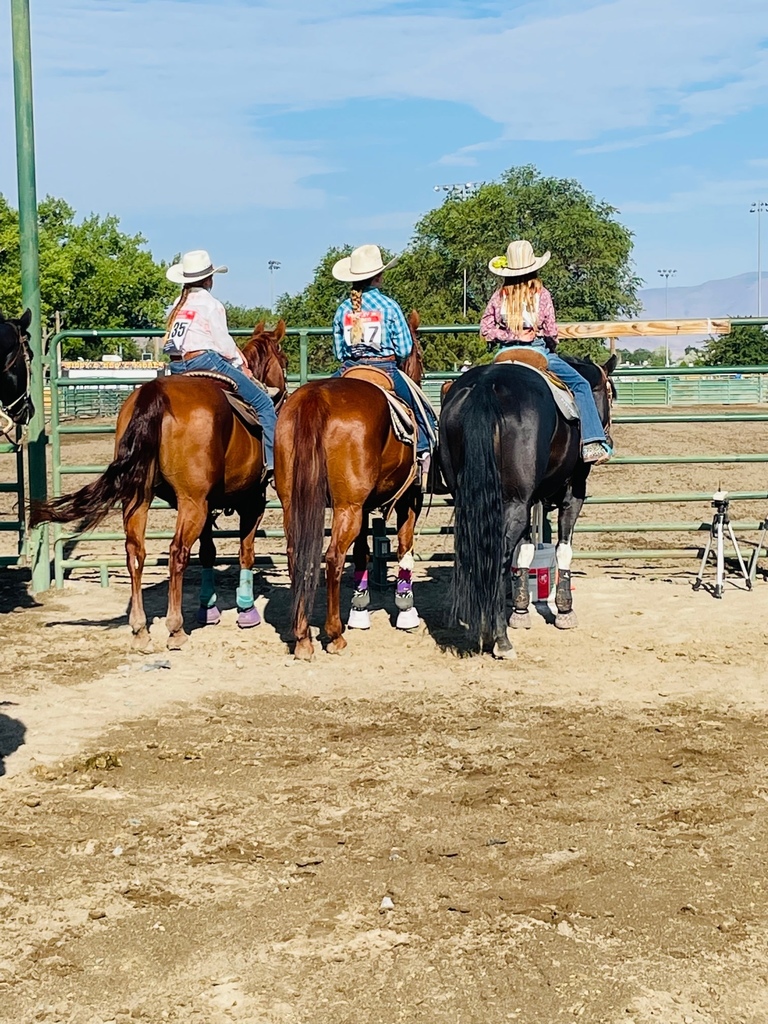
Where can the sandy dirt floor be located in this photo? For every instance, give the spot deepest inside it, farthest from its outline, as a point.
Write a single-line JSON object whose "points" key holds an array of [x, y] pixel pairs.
{"points": [[404, 833]]}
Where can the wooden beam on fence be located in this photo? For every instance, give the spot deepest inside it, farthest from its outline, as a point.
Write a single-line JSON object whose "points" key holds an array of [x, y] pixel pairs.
{"points": [[643, 328]]}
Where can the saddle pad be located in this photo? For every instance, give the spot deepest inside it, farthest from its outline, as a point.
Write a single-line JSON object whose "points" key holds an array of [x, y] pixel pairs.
{"points": [[243, 410], [373, 375], [403, 420], [561, 393]]}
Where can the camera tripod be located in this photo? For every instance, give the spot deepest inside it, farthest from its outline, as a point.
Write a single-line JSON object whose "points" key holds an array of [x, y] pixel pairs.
{"points": [[763, 527], [721, 523]]}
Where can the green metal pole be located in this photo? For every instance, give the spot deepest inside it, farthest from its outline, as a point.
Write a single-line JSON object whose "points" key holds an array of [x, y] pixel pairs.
{"points": [[303, 357], [30, 279]]}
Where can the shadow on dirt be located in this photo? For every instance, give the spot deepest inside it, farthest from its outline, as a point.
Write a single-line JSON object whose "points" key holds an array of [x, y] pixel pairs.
{"points": [[12, 733]]}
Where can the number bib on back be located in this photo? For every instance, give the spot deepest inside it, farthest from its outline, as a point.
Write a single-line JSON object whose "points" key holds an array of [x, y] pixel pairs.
{"points": [[181, 325], [373, 325]]}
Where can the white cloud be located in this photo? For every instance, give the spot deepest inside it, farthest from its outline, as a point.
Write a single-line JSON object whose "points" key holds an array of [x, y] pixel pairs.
{"points": [[706, 194]]}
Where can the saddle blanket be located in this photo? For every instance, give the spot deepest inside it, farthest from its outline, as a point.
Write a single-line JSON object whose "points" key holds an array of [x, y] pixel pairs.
{"points": [[240, 407], [561, 393]]}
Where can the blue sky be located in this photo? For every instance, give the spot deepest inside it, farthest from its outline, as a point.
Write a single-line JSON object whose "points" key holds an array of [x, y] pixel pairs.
{"points": [[271, 129]]}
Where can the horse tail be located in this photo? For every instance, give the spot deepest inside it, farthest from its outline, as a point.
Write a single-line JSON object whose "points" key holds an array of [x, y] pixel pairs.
{"points": [[477, 593], [126, 478], [309, 492]]}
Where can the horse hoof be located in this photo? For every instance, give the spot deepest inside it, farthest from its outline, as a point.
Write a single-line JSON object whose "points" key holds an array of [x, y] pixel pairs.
{"points": [[504, 653], [336, 646], [359, 619], [304, 651], [177, 640], [520, 620], [208, 616], [408, 619], [249, 618], [141, 641], [566, 620]]}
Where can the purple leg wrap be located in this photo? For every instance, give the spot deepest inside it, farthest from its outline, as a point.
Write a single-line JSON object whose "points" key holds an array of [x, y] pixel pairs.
{"points": [[404, 581], [361, 579]]}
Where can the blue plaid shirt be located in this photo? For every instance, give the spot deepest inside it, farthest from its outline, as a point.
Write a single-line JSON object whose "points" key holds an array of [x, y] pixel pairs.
{"points": [[395, 334]]}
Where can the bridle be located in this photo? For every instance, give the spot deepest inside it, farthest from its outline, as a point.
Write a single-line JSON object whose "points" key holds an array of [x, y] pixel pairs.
{"points": [[7, 421]]}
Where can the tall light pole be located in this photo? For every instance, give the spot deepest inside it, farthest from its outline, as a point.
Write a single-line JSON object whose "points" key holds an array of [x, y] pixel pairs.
{"points": [[461, 190], [758, 208], [273, 266], [666, 274], [30, 278]]}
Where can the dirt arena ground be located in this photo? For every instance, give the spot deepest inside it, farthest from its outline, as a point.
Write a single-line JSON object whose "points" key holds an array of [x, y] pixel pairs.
{"points": [[407, 833]]}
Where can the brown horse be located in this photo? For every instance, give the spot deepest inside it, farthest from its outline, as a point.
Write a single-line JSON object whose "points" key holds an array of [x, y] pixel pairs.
{"points": [[335, 445], [178, 439]]}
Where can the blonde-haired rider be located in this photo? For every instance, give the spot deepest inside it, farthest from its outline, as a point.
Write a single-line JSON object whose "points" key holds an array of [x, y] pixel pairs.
{"points": [[521, 314]]}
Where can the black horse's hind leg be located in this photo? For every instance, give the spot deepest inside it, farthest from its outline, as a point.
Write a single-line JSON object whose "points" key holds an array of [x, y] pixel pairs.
{"points": [[568, 512], [208, 613], [517, 524], [359, 615]]}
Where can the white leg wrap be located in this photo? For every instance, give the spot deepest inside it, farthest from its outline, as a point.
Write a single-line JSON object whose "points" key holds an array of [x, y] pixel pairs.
{"points": [[525, 555], [407, 562], [564, 556]]}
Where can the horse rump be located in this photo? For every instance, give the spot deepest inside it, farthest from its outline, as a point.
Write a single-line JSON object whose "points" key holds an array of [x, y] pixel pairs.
{"points": [[125, 479]]}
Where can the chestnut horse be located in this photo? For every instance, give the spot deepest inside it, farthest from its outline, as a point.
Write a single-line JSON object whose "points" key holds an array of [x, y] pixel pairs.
{"points": [[178, 439], [335, 445]]}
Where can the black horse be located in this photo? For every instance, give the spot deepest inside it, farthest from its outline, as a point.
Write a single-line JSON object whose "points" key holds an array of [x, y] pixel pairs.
{"points": [[15, 403], [504, 446]]}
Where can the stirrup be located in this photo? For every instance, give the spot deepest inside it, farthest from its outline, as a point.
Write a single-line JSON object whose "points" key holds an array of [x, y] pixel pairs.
{"points": [[596, 452]]}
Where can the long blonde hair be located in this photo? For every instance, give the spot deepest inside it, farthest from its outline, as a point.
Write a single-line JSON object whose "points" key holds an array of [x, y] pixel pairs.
{"points": [[356, 298], [519, 298], [179, 305]]}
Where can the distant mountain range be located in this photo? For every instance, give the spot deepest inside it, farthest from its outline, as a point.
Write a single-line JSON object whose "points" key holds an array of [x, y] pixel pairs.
{"points": [[728, 297]]}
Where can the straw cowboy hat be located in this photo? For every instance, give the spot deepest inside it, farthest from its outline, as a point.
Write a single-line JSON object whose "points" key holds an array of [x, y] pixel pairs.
{"points": [[364, 262], [519, 261], [194, 266]]}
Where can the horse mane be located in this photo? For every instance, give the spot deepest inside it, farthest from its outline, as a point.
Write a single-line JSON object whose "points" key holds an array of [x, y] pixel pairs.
{"points": [[593, 372], [264, 345]]}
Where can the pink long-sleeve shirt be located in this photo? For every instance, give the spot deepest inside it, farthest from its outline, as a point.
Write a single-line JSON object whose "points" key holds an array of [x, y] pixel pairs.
{"points": [[493, 326]]}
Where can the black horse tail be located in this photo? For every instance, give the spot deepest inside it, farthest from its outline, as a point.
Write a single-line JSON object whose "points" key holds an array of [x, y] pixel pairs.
{"points": [[477, 594], [126, 479], [309, 491]]}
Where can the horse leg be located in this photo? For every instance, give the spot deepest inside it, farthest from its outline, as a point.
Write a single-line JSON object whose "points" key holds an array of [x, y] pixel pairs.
{"points": [[247, 613], [135, 526], [208, 613], [521, 595], [359, 615], [347, 523], [407, 510], [516, 527], [567, 515], [190, 522]]}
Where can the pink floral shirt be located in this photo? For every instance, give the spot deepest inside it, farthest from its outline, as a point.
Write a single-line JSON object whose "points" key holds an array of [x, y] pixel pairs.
{"points": [[493, 326]]}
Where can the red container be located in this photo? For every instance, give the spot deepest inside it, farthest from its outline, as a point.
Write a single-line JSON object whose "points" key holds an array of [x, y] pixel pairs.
{"points": [[542, 584]]}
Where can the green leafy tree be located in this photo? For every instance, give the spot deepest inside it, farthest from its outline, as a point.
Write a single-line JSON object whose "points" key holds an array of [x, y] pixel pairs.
{"points": [[247, 316], [746, 345], [91, 273], [590, 273]]}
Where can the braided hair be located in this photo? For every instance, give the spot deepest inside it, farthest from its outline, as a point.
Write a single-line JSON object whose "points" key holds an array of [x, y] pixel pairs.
{"points": [[356, 298]]}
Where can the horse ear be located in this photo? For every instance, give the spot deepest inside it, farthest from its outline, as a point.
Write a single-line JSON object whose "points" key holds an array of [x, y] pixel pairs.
{"points": [[279, 331], [25, 320], [259, 328], [414, 320], [610, 365]]}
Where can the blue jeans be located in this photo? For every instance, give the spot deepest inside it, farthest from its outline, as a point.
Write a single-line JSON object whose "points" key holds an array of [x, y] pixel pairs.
{"points": [[401, 390], [591, 427], [250, 392]]}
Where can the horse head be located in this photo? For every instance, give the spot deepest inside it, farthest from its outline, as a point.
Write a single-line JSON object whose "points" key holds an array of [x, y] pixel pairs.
{"points": [[265, 357], [599, 379], [413, 364], [15, 356]]}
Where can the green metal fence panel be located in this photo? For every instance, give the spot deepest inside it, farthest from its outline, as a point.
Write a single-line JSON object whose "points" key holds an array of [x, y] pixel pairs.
{"points": [[642, 387], [13, 519]]}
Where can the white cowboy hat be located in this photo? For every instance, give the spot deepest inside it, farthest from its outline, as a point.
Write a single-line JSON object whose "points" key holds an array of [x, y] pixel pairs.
{"points": [[194, 266], [364, 262], [518, 261]]}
